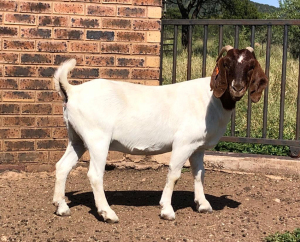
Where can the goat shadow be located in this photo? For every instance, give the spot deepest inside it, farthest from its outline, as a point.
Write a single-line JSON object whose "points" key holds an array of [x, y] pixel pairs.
{"points": [[180, 200]]}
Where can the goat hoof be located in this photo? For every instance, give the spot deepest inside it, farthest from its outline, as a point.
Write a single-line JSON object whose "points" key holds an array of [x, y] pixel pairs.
{"points": [[109, 217], [204, 208], [167, 215], [62, 209], [63, 213]]}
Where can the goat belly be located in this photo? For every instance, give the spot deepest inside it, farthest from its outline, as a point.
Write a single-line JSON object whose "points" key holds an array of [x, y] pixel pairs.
{"points": [[153, 149]]}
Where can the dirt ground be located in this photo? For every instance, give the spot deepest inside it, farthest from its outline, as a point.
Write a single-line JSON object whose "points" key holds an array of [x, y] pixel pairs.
{"points": [[247, 207]]}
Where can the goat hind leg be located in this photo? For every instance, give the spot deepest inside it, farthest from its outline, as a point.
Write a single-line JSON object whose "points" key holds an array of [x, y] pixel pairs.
{"points": [[196, 161], [98, 152], [73, 152]]}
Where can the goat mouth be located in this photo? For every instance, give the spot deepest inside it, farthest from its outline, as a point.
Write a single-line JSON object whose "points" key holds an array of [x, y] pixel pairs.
{"points": [[237, 95]]}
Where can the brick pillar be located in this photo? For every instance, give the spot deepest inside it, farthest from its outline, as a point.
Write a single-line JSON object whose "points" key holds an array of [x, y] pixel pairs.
{"points": [[111, 39]]}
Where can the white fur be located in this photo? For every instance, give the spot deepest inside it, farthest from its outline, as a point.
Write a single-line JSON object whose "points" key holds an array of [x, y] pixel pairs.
{"points": [[103, 115], [240, 59]]}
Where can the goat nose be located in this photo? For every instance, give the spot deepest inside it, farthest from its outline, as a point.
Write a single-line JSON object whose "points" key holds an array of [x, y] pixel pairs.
{"points": [[238, 88]]}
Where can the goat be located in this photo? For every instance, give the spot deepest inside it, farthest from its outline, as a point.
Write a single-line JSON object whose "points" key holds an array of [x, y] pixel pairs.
{"points": [[185, 118]]}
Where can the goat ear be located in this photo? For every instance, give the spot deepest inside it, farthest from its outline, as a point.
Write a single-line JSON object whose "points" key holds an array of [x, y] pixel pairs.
{"points": [[258, 83], [218, 81]]}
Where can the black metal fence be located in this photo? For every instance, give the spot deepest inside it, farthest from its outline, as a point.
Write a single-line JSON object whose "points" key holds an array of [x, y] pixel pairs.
{"points": [[293, 144]]}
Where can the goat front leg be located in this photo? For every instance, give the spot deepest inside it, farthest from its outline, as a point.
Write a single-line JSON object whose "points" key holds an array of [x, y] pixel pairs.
{"points": [[178, 158], [98, 152], [196, 161], [73, 152]]}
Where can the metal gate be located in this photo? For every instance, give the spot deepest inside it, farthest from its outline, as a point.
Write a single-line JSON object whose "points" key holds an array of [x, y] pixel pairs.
{"points": [[175, 24]]}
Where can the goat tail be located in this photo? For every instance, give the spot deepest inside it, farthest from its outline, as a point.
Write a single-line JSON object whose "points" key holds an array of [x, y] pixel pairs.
{"points": [[61, 78]]}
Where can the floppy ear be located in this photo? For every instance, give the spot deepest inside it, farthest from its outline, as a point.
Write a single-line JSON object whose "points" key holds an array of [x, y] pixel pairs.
{"points": [[258, 83], [218, 81]]}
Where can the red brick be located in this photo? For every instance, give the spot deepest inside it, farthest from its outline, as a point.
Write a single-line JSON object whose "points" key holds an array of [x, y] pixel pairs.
{"points": [[9, 133], [19, 45], [55, 156], [58, 59], [50, 121], [46, 71], [51, 144], [99, 10], [113, 23], [35, 84], [36, 59], [131, 12], [114, 73], [99, 60], [130, 61], [35, 7], [90, 73], [19, 145], [57, 21], [68, 34], [68, 8], [8, 157], [9, 108], [36, 109], [57, 108], [118, 1], [36, 33], [35, 133], [100, 35], [19, 19], [147, 2], [8, 58], [9, 31], [52, 46], [8, 6], [18, 121], [48, 96], [8, 83], [35, 156], [84, 47], [146, 25], [18, 96], [20, 71], [145, 74], [144, 49], [60, 133], [115, 48], [130, 36], [85, 22]]}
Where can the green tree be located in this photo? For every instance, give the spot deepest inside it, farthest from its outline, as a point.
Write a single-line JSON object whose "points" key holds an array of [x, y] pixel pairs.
{"points": [[290, 9], [199, 9]]}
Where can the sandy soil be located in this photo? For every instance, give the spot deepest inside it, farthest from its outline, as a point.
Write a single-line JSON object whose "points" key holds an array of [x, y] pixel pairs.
{"points": [[247, 207]]}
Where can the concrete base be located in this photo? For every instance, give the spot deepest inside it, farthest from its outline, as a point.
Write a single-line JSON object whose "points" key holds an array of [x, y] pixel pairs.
{"points": [[282, 166]]}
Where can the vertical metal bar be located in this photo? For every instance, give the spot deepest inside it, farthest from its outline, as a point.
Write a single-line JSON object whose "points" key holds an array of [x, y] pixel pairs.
{"points": [[283, 81], [161, 54], [220, 37], [204, 51], [236, 45], [189, 63], [266, 92], [298, 107], [249, 98], [174, 54]]}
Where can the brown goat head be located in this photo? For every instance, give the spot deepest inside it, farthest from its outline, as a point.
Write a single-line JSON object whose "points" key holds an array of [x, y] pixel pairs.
{"points": [[235, 73]]}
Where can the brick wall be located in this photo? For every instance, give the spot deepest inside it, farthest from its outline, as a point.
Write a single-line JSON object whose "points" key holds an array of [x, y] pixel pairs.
{"points": [[110, 39]]}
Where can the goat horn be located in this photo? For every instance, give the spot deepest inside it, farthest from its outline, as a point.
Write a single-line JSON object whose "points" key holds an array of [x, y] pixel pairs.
{"points": [[250, 49], [225, 48]]}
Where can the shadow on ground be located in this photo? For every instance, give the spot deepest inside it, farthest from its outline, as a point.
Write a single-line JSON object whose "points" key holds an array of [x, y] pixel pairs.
{"points": [[180, 200]]}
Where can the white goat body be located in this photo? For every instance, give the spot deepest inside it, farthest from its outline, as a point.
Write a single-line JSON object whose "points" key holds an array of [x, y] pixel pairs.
{"points": [[101, 115]]}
